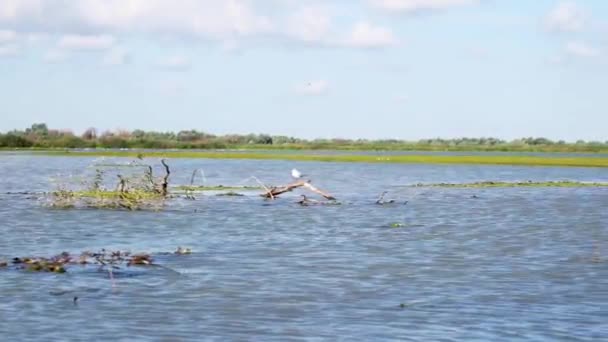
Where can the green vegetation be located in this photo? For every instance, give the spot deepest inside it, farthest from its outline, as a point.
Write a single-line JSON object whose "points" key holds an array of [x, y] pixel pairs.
{"points": [[134, 191], [427, 159], [39, 136], [215, 187], [531, 184]]}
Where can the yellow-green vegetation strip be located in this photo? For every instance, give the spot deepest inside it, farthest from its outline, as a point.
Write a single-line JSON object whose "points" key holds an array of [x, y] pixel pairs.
{"points": [[490, 184], [215, 187], [422, 159]]}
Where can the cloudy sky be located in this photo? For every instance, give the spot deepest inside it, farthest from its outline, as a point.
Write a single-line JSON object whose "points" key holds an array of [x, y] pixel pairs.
{"points": [[405, 69]]}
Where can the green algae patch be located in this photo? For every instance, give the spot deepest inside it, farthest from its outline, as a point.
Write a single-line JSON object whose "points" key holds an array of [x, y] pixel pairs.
{"points": [[529, 184], [582, 161]]}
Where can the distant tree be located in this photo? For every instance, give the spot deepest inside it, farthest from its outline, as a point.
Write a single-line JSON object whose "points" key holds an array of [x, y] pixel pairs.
{"points": [[13, 140], [123, 133], [264, 139], [138, 134], [90, 134], [38, 129]]}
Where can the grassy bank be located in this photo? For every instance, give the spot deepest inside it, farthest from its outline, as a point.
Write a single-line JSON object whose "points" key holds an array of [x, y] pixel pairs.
{"points": [[421, 159], [529, 184]]}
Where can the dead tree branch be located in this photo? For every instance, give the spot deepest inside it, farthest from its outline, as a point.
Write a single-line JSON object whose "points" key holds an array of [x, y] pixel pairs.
{"points": [[276, 191], [165, 182]]}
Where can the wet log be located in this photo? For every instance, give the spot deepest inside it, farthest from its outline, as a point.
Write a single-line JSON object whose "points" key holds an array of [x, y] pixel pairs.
{"points": [[277, 190]]}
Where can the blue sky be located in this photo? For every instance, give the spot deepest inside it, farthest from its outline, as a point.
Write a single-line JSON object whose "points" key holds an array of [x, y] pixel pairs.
{"points": [[406, 69]]}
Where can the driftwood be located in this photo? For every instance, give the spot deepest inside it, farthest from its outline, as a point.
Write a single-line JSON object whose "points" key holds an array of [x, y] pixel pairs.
{"points": [[276, 191]]}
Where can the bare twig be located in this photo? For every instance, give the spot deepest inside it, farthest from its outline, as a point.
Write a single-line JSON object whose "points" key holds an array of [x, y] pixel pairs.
{"points": [[381, 198], [268, 191], [320, 192]]}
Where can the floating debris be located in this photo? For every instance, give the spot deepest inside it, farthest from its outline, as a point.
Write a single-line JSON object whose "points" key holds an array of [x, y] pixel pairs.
{"points": [[140, 259], [182, 251], [230, 194], [104, 259]]}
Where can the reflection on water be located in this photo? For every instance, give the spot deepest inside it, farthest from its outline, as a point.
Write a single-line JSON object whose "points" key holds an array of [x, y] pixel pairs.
{"points": [[511, 263]]}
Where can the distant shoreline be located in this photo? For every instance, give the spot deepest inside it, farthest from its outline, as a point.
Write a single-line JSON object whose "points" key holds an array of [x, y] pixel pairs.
{"points": [[40, 136], [507, 159]]}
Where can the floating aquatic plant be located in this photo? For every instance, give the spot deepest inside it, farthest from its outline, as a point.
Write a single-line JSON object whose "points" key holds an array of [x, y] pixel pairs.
{"points": [[104, 259]]}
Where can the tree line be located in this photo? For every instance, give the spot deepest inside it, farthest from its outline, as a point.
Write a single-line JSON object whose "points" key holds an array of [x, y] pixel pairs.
{"points": [[40, 136]]}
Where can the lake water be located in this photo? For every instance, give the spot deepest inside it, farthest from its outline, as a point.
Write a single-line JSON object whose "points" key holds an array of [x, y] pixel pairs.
{"points": [[466, 264]]}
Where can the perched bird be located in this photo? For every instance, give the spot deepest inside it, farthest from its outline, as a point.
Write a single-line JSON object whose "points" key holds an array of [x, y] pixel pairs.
{"points": [[296, 174]]}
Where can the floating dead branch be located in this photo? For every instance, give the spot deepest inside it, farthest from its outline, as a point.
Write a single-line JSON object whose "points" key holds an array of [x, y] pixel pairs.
{"points": [[165, 182], [305, 201], [382, 201], [276, 191]]}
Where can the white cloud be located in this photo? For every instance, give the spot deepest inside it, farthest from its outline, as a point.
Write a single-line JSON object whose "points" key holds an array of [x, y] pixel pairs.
{"points": [[207, 18], [9, 50], [310, 24], [402, 98], [317, 87], [365, 35], [85, 42], [7, 36], [419, 5], [582, 49], [116, 56], [94, 24], [35, 38], [12, 10], [566, 17], [175, 63], [55, 56]]}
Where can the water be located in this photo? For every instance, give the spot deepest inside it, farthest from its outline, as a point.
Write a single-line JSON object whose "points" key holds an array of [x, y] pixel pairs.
{"points": [[515, 263]]}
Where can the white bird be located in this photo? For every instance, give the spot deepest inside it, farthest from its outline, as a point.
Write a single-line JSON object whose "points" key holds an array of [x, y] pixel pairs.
{"points": [[296, 174]]}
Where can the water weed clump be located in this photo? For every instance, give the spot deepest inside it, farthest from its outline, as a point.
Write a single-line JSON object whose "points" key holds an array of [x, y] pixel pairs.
{"points": [[135, 190], [103, 260]]}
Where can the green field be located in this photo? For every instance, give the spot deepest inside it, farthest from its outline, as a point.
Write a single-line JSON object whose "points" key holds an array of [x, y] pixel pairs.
{"points": [[582, 161]]}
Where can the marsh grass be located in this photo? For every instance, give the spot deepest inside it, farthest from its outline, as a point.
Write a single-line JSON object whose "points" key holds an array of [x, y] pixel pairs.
{"points": [[579, 161], [137, 189]]}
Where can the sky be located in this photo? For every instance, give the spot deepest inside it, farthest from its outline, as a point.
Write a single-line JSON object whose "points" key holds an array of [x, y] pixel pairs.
{"points": [[400, 69]]}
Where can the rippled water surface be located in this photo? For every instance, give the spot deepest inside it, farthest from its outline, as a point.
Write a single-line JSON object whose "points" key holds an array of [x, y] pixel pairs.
{"points": [[466, 264]]}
